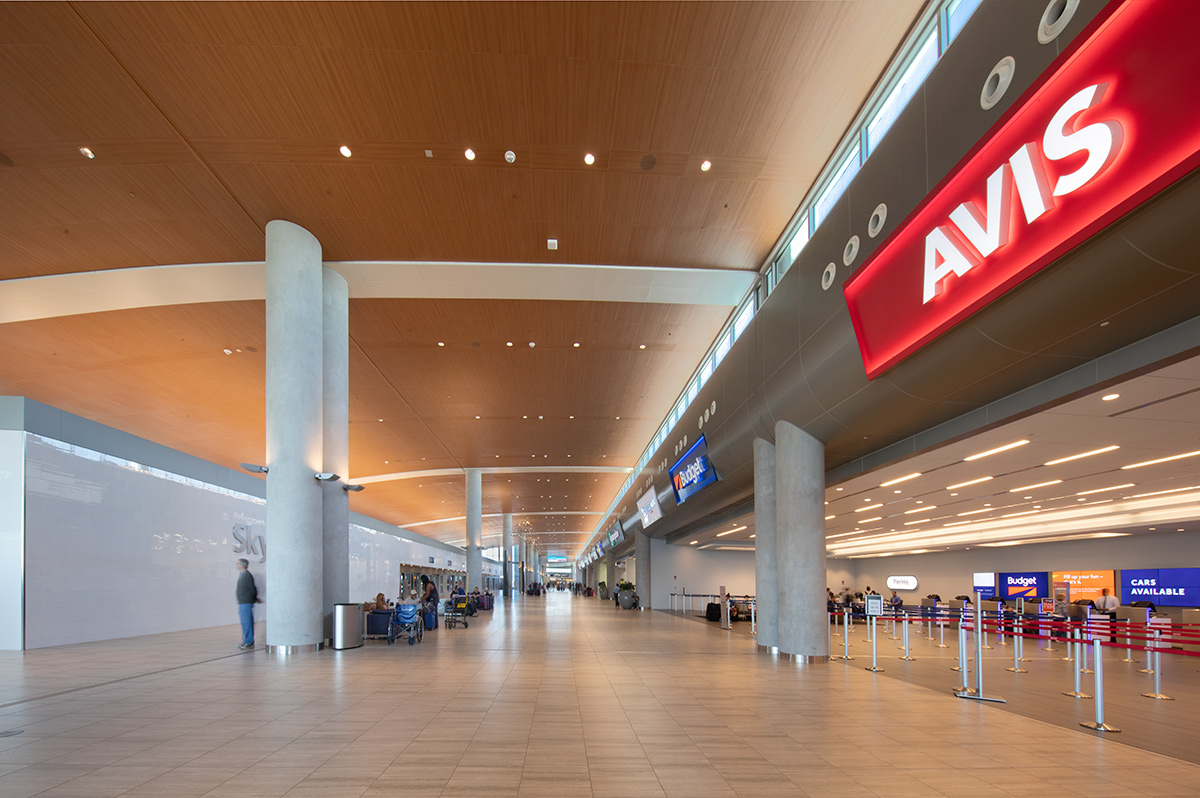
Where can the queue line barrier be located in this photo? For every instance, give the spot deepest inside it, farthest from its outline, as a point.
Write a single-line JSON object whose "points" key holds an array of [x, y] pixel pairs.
{"points": [[1077, 634]]}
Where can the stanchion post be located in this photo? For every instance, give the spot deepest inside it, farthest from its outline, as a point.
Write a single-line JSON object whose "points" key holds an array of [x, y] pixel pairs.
{"points": [[1078, 691], [941, 630], [1049, 636], [1157, 695], [1083, 654], [873, 630], [1128, 642], [907, 654], [846, 642], [1016, 668], [1099, 725], [977, 693], [1070, 637]]}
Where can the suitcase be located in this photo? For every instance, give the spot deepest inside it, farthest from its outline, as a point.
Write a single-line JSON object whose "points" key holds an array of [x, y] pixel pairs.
{"points": [[431, 620], [713, 611], [485, 602]]}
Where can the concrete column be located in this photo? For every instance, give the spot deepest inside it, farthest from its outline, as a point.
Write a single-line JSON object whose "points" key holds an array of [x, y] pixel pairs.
{"points": [[295, 583], [335, 444], [800, 544], [474, 529], [641, 546], [610, 569], [766, 564], [506, 545]]}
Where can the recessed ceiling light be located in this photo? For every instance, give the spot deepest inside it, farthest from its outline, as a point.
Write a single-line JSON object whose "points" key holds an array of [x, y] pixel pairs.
{"points": [[1161, 492], [829, 517], [441, 343], [641, 346], [510, 156], [618, 418], [539, 418], [344, 150], [693, 543], [551, 244], [1110, 397], [997, 450], [227, 351], [532, 344], [589, 159], [570, 417], [704, 167], [476, 416], [868, 507], [576, 344], [1102, 490], [84, 151], [470, 154]]}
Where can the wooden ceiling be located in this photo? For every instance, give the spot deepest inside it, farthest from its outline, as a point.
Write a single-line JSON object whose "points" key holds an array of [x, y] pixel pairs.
{"points": [[208, 120]]}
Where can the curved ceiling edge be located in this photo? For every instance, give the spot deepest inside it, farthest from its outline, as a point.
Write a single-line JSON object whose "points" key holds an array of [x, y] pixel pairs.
{"points": [[30, 298]]}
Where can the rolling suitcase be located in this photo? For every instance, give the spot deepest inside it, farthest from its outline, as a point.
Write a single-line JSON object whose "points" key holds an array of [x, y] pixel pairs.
{"points": [[713, 611]]}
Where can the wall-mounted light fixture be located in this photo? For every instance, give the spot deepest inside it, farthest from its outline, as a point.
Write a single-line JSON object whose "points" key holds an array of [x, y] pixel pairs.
{"points": [[355, 488], [327, 476], [255, 469]]}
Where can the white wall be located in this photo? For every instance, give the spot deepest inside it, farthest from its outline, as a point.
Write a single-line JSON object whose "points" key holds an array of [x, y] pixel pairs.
{"points": [[946, 573], [949, 573], [117, 549], [673, 568], [12, 537], [124, 549]]}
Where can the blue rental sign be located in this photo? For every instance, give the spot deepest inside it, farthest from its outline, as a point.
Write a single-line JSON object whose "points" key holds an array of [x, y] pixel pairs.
{"points": [[1024, 584], [1169, 587], [693, 472]]}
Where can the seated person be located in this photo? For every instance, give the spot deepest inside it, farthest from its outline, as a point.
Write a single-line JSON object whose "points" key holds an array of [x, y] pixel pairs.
{"points": [[381, 602]]}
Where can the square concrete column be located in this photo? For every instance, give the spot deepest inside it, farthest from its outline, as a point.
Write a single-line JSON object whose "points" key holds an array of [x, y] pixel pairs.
{"points": [[800, 544], [766, 564]]}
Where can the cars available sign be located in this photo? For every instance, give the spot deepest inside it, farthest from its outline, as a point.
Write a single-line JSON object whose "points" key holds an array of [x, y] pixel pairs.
{"points": [[1108, 126]]}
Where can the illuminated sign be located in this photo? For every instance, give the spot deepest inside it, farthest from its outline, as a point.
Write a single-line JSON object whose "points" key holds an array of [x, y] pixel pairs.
{"points": [[902, 583], [693, 472], [616, 535], [649, 508], [1170, 587], [984, 583], [1086, 584], [1092, 139], [1026, 584]]}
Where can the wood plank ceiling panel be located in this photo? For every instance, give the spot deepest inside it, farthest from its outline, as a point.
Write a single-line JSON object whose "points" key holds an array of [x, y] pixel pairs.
{"points": [[210, 119]]}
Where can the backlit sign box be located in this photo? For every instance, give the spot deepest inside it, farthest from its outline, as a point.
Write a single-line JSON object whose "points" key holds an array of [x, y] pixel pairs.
{"points": [[984, 583], [648, 507], [1026, 584], [1170, 587], [1086, 584], [616, 535], [1098, 134], [693, 472]]}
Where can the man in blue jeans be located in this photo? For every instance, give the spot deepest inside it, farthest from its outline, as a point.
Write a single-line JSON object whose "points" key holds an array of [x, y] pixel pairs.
{"points": [[247, 597]]}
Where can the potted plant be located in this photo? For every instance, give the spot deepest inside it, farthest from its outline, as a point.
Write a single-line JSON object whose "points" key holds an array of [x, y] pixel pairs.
{"points": [[625, 595]]}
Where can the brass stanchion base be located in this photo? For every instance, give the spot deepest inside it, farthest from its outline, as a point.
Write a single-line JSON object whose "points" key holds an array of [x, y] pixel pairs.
{"points": [[1073, 694], [1127, 659], [1016, 670], [1100, 727], [956, 668], [1146, 670], [907, 659], [1157, 696], [975, 697], [874, 670], [1086, 670]]}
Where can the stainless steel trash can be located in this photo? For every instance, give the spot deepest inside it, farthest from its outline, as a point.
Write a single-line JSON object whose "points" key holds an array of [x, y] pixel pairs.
{"points": [[347, 626]]}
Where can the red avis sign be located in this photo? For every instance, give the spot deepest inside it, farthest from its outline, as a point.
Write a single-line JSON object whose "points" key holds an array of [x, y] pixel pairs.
{"points": [[1107, 127]]}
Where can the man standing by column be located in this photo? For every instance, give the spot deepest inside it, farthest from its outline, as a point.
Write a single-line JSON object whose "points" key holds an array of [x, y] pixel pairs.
{"points": [[247, 597]]}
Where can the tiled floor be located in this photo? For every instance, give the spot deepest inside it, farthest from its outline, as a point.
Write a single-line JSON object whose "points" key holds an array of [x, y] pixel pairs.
{"points": [[555, 696]]}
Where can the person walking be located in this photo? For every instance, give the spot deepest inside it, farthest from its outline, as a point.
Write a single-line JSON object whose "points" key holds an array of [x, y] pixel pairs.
{"points": [[247, 597]]}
